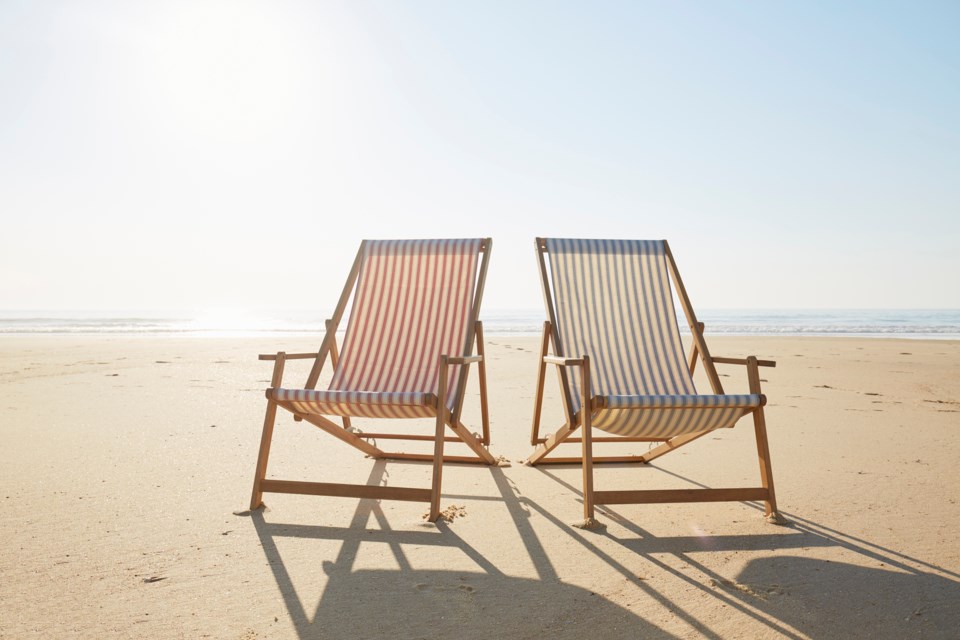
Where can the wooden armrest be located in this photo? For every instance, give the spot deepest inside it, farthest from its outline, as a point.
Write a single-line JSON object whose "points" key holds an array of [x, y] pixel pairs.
{"points": [[563, 362], [743, 361], [287, 356], [464, 359]]}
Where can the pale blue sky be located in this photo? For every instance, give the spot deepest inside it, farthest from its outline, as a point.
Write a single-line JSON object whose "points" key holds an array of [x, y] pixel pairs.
{"points": [[231, 155]]}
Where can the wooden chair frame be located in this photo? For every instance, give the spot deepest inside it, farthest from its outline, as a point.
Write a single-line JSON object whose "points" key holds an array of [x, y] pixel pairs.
{"points": [[345, 433], [574, 420]]}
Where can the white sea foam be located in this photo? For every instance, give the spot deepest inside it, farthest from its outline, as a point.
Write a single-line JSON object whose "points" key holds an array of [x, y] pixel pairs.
{"points": [[899, 323]]}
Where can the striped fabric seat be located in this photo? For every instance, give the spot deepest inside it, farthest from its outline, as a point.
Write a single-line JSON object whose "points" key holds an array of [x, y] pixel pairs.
{"points": [[412, 304], [377, 404], [745, 401], [614, 303]]}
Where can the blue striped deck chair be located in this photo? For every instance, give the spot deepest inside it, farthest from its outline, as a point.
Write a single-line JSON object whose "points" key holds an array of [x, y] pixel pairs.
{"points": [[613, 331]]}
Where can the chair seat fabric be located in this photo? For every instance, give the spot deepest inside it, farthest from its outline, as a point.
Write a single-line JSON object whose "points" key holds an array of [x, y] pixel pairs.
{"points": [[669, 416], [674, 402], [366, 404]]}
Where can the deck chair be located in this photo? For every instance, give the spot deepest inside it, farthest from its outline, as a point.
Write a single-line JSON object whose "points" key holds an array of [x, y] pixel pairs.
{"points": [[405, 354], [616, 344]]}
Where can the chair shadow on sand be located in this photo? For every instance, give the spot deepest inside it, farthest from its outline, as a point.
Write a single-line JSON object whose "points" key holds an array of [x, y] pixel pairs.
{"points": [[887, 595]]}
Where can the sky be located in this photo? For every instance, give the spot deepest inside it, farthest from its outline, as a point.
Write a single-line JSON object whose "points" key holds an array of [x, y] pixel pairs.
{"points": [[232, 155]]}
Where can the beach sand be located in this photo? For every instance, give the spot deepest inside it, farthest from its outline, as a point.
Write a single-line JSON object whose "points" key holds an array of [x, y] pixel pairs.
{"points": [[125, 458]]}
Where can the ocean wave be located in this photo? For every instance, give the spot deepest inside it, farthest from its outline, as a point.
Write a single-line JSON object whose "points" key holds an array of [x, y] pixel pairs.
{"points": [[919, 323]]}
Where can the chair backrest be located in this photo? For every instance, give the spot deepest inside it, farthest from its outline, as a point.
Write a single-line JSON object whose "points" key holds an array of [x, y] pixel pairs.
{"points": [[612, 300], [415, 300]]}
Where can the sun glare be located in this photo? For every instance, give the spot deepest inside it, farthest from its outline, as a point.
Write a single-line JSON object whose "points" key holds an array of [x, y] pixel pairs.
{"points": [[227, 321], [225, 69]]}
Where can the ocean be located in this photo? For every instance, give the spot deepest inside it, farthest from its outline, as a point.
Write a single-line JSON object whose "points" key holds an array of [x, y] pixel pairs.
{"points": [[874, 323]]}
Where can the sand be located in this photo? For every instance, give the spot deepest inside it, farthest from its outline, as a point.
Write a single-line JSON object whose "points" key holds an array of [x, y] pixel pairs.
{"points": [[125, 458]]}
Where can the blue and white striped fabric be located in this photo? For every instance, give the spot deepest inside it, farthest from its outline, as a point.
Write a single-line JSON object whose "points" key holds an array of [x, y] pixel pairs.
{"points": [[745, 401], [614, 303]]}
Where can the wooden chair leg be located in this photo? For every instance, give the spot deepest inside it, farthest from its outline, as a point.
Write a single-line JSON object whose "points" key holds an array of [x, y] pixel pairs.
{"points": [[256, 497], [586, 440], [766, 470], [438, 443], [482, 372], [334, 360], [541, 376], [763, 447], [588, 511]]}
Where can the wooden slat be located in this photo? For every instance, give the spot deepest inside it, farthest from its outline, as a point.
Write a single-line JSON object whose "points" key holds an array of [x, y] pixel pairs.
{"points": [[743, 361], [486, 246], [692, 321], [658, 496], [334, 322], [541, 377], [266, 438], [482, 372], [427, 457], [288, 356], [554, 332], [338, 432], [695, 352], [673, 443], [552, 441], [563, 362], [610, 439], [763, 447], [472, 442], [278, 366], [438, 440], [404, 436], [334, 359], [578, 460], [408, 494], [587, 443]]}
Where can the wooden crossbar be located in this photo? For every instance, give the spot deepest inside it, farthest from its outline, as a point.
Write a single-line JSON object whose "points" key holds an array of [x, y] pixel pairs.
{"points": [[579, 460], [428, 457], [404, 436], [408, 494], [743, 361], [659, 496]]}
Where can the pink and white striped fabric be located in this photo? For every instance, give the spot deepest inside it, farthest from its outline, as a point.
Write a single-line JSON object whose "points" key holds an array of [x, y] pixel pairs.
{"points": [[412, 304], [613, 302]]}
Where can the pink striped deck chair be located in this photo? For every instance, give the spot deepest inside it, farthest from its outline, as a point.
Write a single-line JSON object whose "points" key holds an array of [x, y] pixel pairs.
{"points": [[408, 344], [616, 344]]}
